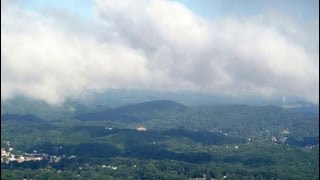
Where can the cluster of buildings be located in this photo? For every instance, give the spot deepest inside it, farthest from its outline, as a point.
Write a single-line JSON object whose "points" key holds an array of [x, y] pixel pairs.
{"points": [[8, 156], [110, 167], [236, 147], [205, 178], [281, 139]]}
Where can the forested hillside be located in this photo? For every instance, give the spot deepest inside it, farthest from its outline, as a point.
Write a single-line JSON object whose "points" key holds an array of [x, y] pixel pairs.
{"points": [[160, 140]]}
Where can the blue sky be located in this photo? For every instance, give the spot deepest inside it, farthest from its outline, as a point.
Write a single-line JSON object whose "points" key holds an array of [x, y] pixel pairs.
{"points": [[301, 10], [78, 7]]}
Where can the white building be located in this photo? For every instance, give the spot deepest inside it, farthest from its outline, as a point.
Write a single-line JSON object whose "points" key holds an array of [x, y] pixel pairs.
{"points": [[141, 129]]}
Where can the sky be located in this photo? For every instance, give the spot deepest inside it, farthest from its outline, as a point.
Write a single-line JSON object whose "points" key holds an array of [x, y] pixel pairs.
{"points": [[54, 49], [298, 9]]}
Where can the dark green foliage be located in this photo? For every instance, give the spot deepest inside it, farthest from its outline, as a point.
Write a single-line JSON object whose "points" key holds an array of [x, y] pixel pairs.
{"points": [[206, 138], [311, 110], [240, 120], [307, 141], [180, 143]]}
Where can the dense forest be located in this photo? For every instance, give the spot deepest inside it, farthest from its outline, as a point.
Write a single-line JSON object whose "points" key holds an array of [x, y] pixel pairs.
{"points": [[174, 142]]}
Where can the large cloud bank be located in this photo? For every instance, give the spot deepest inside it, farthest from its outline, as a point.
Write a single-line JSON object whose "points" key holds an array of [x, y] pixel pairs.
{"points": [[155, 44]]}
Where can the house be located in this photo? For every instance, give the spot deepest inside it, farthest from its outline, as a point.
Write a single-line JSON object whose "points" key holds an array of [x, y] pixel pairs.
{"points": [[20, 159], [286, 131], [108, 128], [141, 129]]}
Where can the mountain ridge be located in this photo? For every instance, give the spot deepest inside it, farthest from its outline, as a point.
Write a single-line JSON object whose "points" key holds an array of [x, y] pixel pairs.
{"points": [[135, 112]]}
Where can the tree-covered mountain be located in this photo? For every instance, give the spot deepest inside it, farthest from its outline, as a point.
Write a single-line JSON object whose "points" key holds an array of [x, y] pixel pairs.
{"points": [[243, 120], [21, 118], [179, 142], [307, 110], [136, 112], [24, 105]]}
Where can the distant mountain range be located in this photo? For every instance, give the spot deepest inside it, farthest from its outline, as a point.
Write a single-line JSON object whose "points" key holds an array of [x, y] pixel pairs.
{"points": [[19, 117], [97, 102], [136, 112], [301, 120], [306, 110], [241, 120]]}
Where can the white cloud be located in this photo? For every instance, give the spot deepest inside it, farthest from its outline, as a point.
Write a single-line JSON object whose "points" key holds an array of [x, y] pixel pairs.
{"points": [[154, 44]]}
